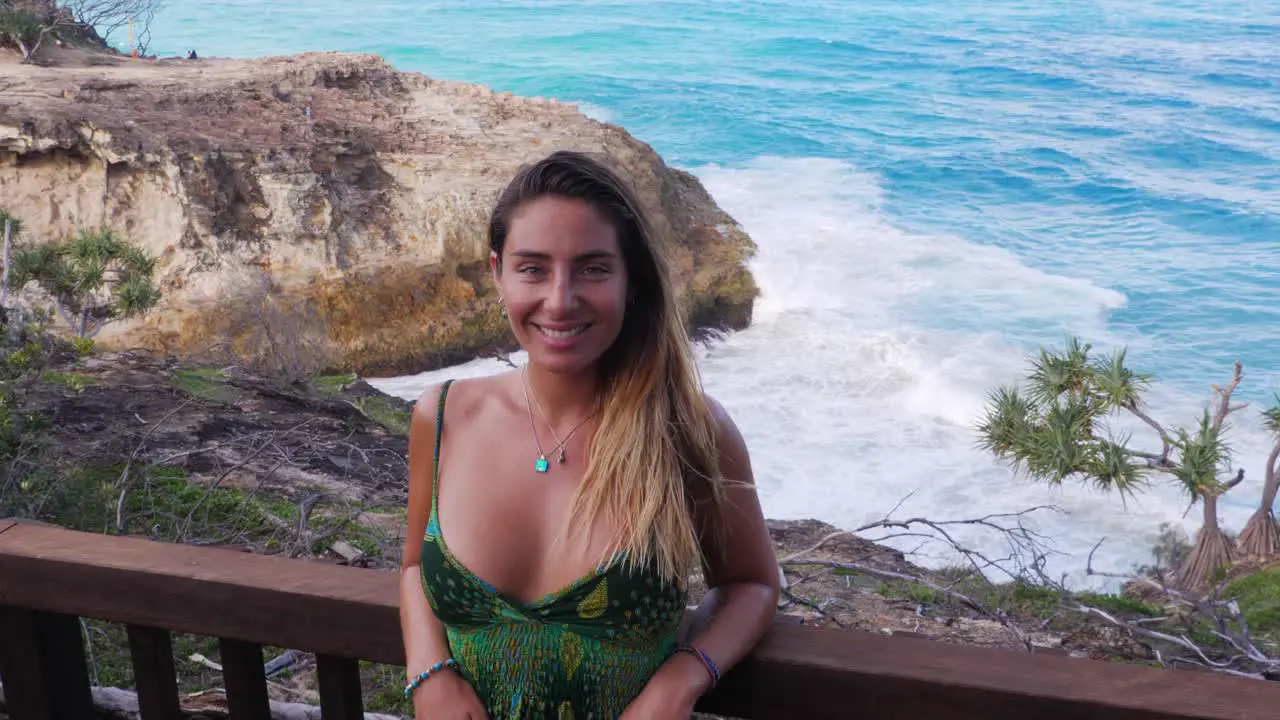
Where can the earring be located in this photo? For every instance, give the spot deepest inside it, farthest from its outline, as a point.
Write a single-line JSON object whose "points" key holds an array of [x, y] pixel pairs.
{"points": [[502, 308]]}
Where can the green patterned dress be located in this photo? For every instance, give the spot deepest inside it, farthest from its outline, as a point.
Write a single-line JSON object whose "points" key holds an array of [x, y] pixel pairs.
{"points": [[584, 651]]}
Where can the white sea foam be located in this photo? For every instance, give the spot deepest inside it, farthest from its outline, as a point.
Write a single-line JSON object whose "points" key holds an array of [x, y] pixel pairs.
{"points": [[595, 112], [869, 357]]}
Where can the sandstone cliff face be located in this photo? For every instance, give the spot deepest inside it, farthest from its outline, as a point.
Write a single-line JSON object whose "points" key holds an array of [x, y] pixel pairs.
{"points": [[325, 202]]}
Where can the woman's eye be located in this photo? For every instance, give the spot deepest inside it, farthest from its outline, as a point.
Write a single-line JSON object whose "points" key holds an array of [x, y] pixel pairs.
{"points": [[595, 270], [529, 270]]}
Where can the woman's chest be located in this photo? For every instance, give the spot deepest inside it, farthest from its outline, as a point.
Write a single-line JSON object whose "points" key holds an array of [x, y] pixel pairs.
{"points": [[509, 525]]}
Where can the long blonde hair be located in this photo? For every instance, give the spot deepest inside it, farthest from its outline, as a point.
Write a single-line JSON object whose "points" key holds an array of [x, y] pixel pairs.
{"points": [[653, 458]]}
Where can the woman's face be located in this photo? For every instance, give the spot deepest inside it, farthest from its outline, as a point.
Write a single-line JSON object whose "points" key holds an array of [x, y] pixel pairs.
{"points": [[563, 281]]}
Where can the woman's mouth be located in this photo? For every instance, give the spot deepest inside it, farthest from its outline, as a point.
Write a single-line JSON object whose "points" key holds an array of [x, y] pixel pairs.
{"points": [[564, 332]]}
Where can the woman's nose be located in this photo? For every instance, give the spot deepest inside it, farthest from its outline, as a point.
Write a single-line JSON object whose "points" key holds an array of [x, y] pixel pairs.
{"points": [[563, 296]]}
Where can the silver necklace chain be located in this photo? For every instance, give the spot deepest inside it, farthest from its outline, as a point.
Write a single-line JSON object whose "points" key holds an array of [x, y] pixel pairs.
{"points": [[541, 465]]}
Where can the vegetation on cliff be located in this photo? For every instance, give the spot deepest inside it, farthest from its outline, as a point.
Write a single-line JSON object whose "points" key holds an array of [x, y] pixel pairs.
{"points": [[26, 25]]}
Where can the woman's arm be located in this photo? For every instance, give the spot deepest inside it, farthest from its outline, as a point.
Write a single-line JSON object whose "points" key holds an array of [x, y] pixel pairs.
{"points": [[425, 642], [741, 573]]}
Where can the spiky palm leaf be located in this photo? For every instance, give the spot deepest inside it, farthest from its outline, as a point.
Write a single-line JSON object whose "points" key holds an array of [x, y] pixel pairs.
{"points": [[101, 245], [1118, 386], [42, 264], [1056, 453], [1202, 456], [1005, 422], [135, 295], [1054, 374], [1271, 417], [1114, 467]]}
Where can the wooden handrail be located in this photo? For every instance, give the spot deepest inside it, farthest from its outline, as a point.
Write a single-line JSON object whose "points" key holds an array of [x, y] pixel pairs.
{"points": [[797, 671]]}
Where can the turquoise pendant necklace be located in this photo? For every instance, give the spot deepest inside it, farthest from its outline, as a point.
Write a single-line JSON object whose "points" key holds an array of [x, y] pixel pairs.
{"points": [[542, 465]]}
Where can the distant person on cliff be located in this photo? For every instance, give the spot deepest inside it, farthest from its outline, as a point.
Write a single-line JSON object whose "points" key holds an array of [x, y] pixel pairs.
{"points": [[556, 511]]}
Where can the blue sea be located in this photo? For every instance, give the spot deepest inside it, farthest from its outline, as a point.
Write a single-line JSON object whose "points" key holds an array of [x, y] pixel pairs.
{"points": [[936, 188]]}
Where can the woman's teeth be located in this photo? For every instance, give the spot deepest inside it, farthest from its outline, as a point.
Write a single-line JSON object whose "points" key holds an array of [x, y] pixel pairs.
{"points": [[561, 334]]}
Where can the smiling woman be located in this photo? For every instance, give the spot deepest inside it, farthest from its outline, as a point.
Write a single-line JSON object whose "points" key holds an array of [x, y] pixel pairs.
{"points": [[561, 590]]}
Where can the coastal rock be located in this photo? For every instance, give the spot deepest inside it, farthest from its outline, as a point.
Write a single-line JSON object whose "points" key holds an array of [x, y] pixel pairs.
{"points": [[324, 201]]}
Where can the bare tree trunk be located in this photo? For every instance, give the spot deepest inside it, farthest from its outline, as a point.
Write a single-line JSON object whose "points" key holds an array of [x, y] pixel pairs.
{"points": [[8, 245], [1260, 537], [1211, 553], [29, 53]]}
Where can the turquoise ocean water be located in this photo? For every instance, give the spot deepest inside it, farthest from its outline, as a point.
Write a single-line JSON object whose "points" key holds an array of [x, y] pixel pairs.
{"points": [[936, 188]]}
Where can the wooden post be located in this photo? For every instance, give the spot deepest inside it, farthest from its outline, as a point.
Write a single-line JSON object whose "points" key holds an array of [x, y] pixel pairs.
{"points": [[339, 688], [245, 679], [153, 673], [42, 665]]}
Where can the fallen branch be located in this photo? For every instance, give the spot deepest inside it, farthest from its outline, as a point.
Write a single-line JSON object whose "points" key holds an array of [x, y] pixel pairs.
{"points": [[1023, 540], [969, 602]]}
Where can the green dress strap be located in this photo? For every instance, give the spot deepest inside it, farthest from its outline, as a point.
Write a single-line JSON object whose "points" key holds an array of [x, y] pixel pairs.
{"points": [[435, 457]]}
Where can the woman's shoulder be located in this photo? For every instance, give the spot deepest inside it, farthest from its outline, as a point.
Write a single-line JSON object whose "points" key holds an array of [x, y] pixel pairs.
{"points": [[731, 446], [725, 427], [466, 399]]}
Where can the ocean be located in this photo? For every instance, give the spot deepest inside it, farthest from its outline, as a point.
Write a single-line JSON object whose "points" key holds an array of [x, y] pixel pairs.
{"points": [[936, 188]]}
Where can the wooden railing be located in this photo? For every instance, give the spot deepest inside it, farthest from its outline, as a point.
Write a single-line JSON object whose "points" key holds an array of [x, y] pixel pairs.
{"points": [[50, 577]]}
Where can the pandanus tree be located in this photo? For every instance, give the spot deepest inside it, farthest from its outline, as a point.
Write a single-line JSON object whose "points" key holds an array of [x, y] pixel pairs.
{"points": [[1057, 427], [93, 279], [1260, 537]]}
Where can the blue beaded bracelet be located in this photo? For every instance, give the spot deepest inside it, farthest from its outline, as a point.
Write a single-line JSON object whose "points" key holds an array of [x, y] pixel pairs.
{"points": [[422, 676], [710, 666]]}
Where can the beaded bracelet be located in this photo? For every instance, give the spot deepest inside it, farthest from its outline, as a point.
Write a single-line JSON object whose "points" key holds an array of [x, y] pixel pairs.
{"points": [[422, 676], [710, 666]]}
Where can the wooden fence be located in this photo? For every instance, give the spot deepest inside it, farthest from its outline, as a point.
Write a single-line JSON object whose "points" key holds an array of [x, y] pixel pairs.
{"points": [[50, 577]]}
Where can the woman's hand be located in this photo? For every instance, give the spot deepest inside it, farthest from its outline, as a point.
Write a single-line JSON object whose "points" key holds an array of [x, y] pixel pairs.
{"points": [[446, 695]]}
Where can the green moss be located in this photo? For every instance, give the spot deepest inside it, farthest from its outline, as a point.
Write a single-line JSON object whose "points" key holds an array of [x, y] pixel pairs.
{"points": [[1034, 600], [205, 383], [70, 380], [1118, 604], [333, 384], [1259, 598], [382, 411], [911, 591]]}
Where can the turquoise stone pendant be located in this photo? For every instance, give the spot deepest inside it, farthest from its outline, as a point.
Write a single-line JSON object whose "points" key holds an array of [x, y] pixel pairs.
{"points": [[541, 465]]}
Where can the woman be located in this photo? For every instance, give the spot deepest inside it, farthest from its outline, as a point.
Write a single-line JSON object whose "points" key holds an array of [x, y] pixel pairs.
{"points": [[556, 511]]}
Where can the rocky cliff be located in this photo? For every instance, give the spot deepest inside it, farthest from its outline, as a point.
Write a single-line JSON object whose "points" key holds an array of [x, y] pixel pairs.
{"points": [[324, 205]]}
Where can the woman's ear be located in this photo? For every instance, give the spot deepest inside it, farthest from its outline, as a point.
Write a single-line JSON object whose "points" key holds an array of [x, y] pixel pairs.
{"points": [[495, 265]]}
